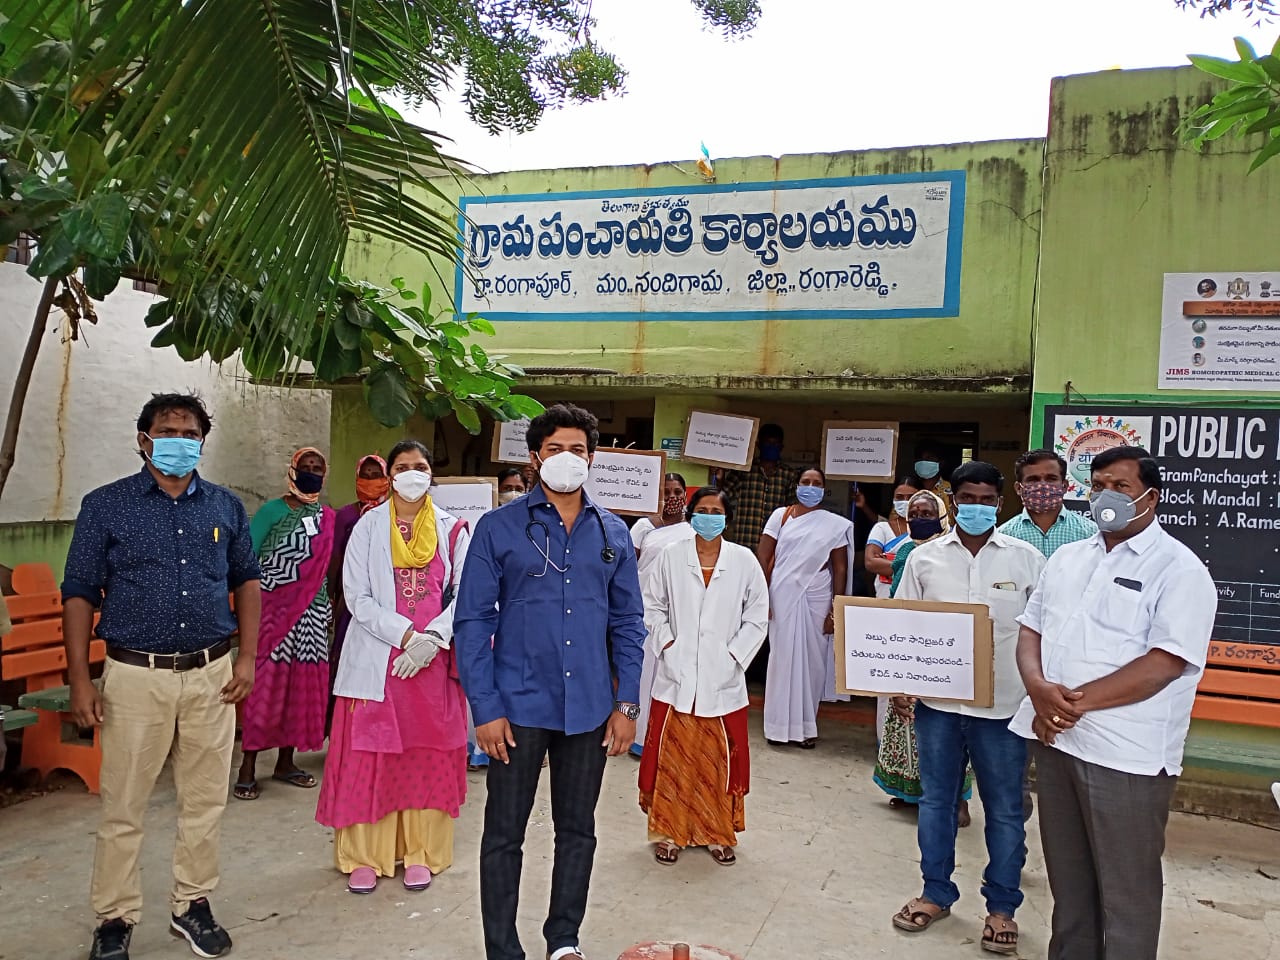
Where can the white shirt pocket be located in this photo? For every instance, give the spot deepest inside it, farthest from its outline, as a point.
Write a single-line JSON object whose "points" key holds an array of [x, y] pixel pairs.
{"points": [[1120, 614]]}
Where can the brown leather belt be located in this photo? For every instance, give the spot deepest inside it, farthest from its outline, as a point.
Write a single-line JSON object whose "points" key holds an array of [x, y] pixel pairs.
{"points": [[177, 662]]}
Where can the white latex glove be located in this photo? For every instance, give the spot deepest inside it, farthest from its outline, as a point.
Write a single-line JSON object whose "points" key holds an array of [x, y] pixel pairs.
{"points": [[404, 667], [421, 649]]}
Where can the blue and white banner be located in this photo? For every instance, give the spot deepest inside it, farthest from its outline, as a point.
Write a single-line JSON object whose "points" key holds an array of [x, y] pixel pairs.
{"points": [[842, 248]]}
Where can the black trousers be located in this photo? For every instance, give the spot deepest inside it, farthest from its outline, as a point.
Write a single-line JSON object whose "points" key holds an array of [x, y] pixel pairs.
{"points": [[1103, 835], [577, 769]]}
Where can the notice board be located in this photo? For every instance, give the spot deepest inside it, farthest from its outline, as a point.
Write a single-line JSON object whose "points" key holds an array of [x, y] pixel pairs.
{"points": [[917, 648], [1221, 495]]}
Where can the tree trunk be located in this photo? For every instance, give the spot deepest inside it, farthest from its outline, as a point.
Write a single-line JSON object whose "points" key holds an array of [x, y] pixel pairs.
{"points": [[9, 446]]}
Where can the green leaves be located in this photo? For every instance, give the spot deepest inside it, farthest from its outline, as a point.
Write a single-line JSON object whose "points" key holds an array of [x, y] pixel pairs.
{"points": [[1250, 105], [389, 395], [99, 226]]}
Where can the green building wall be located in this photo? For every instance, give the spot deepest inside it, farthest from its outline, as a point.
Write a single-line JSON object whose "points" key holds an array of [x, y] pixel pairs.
{"points": [[1125, 203]]}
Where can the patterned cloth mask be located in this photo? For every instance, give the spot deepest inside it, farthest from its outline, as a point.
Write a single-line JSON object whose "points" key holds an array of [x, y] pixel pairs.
{"points": [[1041, 496]]}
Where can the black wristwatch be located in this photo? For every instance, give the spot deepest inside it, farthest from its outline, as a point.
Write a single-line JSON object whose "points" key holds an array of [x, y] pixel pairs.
{"points": [[629, 710]]}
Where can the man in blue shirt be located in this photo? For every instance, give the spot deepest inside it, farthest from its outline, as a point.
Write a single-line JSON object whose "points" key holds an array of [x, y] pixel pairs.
{"points": [[158, 552], [548, 611]]}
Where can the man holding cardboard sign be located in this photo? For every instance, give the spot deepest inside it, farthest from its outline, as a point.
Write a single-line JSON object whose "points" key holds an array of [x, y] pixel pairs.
{"points": [[973, 564]]}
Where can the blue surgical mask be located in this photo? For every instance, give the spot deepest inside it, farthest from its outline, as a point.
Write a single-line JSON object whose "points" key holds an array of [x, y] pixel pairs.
{"points": [[708, 525], [975, 518], [926, 469], [174, 456], [810, 496], [900, 507], [771, 451]]}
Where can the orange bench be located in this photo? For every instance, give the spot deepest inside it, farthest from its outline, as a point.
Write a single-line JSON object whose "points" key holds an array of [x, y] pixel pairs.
{"points": [[34, 652], [1241, 684]]}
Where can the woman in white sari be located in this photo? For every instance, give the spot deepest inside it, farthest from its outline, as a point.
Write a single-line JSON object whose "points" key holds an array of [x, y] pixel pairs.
{"points": [[651, 537], [805, 554]]}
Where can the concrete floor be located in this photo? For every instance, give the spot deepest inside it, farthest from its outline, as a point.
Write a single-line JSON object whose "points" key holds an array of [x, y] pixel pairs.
{"points": [[822, 866]]}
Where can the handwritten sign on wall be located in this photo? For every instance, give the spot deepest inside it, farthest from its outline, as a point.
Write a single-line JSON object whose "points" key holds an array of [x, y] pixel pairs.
{"points": [[627, 481], [467, 498], [845, 247], [508, 442], [916, 648], [856, 450], [720, 439]]}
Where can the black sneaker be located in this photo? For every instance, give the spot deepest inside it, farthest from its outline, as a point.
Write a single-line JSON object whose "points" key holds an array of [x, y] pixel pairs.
{"points": [[197, 925], [111, 941]]}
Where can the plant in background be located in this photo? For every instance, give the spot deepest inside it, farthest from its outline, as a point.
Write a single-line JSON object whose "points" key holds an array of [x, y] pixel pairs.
{"points": [[227, 150], [1249, 105]]}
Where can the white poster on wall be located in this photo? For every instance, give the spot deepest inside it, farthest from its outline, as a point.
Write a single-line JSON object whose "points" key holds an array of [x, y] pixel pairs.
{"points": [[1081, 436], [627, 481], [880, 246], [1220, 331]]}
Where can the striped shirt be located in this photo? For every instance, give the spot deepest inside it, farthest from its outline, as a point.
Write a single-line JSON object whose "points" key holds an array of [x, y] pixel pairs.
{"points": [[1070, 526]]}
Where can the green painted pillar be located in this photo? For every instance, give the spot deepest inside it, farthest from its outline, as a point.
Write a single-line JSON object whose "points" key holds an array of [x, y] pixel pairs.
{"points": [[353, 433]]}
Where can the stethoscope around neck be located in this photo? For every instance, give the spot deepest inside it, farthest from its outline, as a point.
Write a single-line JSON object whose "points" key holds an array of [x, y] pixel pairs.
{"points": [[608, 554]]}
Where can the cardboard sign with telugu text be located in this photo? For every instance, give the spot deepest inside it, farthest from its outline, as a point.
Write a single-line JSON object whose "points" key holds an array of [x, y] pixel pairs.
{"points": [[856, 450], [915, 648], [720, 439], [627, 481], [508, 442], [467, 498]]}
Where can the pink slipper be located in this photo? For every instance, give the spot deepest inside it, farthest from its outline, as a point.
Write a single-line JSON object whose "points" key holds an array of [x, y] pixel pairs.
{"points": [[417, 878], [362, 880]]}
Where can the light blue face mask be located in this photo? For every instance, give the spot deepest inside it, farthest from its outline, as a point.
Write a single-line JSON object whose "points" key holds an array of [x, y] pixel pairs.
{"points": [[810, 496], [926, 469], [175, 456], [975, 518], [708, 525]]}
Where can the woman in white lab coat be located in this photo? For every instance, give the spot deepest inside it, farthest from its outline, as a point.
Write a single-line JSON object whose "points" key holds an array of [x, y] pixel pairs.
{"points": [[707, 619]]}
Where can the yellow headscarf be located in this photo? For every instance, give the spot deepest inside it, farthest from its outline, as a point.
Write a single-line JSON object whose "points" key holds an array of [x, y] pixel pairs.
{"points": [[420, 549]]}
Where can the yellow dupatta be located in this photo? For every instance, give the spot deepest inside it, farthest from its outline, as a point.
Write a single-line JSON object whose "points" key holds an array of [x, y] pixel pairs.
{"points": [[420, 549]]}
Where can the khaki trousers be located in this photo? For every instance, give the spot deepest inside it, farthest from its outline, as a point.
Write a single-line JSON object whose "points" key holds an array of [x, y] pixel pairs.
{"points": [[148, 716]]}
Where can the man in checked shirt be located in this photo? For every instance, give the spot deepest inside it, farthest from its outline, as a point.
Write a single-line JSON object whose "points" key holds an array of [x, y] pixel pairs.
{"points": [[158, 552]]}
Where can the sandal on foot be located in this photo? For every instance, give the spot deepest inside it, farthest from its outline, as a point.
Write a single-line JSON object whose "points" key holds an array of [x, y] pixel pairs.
{"points": [[417, 877], [722, 855], [246, 790], [362, 880], [296, 778], [809, 743], [919, 915], [1000, 935], [666, 853]]}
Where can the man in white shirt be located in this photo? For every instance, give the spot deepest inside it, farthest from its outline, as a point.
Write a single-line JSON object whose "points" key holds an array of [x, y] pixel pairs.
{"points": [[1113, 643], [974, 563]]}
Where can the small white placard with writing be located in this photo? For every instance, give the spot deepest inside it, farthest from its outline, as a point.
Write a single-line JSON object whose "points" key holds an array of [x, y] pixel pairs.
{"points": [[859, 451], [916, 653], [627, 481], [467, 498], [720, 439], [508, 441]]}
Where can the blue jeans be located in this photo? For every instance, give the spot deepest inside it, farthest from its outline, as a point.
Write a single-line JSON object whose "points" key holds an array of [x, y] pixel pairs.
{"points": [[947, 743]]}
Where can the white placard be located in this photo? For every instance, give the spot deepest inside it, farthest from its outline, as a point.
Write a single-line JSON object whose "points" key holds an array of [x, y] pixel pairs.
{"points": [[467, 498], [508, 441], [720, 439], [1220, 331], [880, 246], [860, 451], [916, 653], [627, 481]]}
